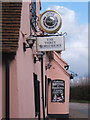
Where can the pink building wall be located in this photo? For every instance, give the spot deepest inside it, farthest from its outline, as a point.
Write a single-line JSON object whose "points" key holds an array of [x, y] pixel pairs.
{"points": [[22, 67], [0, 89], [57, 71], [59, 59]]}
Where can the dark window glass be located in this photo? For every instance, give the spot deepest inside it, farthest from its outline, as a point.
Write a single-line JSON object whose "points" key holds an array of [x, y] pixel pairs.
{"points": [[36, 95], [46, 90], [38, 99]]}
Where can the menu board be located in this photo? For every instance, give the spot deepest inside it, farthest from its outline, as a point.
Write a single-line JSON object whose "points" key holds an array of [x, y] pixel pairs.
{"points": [[57, 91]]}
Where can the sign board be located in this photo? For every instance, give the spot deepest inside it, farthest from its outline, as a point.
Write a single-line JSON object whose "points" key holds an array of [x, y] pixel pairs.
{"points": [[54, 43], [50, 21], [58, 91]]}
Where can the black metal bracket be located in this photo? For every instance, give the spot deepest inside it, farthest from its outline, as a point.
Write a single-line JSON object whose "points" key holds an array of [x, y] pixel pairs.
{"points": [[66, 67], [34, 19], [49, 80], [25, 46], [35, 59], [73, 74], [38, 56], [28, 43], [50, 35]]}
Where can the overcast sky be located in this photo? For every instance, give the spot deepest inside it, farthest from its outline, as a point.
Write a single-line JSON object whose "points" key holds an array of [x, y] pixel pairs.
{"points": [[75, 23]]}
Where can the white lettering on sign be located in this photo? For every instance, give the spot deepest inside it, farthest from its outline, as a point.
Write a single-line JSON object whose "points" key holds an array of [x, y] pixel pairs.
{"points": [[55, 43], [57, 91]]}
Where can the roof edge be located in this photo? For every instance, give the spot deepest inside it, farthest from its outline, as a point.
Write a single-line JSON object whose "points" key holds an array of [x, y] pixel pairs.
{"points": [[60, 58], [66, 72]]}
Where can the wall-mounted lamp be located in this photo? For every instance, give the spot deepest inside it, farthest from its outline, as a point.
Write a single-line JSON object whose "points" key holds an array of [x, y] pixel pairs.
{"points": [[48, 66], [73, 75], [66, 67], [38, 56], [29, 43]]}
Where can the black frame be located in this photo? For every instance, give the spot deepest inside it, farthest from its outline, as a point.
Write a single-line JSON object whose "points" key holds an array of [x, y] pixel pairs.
{"points": [[37, 95], [7, 65], [57, 90], [46, 91], [60, 116]]}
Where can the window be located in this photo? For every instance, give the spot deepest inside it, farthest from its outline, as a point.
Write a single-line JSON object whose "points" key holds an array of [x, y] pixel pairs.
{"points": [[33, 18], [36, 95]]}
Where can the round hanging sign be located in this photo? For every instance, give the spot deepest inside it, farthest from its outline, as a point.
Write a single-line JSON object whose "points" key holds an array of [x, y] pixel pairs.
{"points": [[50, 21]]}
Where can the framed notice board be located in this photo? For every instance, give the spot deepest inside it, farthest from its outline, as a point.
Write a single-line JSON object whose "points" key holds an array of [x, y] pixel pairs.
{"points": [[57, 91]]}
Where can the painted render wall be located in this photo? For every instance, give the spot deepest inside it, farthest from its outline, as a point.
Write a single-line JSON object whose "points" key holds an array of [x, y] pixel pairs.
{"points": [[22, 69], [20, 72], [59, 59], [57, 72], [0, 88]]}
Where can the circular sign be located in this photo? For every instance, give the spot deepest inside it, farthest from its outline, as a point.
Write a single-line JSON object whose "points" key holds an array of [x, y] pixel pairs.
{"points": [[50, 21]]}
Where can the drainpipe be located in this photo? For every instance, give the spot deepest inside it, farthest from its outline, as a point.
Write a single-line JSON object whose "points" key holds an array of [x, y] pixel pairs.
{"points": [[42, 86], [7, 90]]}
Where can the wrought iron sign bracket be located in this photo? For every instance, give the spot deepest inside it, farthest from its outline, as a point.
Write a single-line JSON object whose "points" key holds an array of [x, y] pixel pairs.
{"points": [[34, 20], [50, 35]]}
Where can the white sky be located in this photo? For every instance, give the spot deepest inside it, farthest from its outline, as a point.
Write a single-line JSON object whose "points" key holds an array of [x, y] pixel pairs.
{"points": [[76, 53]]}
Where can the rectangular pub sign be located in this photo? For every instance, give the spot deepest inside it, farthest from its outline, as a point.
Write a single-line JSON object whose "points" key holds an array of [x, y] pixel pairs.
{"points": [[52, 43]]}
